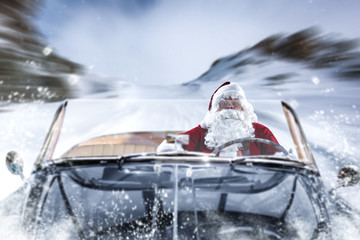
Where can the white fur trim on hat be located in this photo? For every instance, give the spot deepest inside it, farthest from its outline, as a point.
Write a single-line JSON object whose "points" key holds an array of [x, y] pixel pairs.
{"points": [[232, 90]]}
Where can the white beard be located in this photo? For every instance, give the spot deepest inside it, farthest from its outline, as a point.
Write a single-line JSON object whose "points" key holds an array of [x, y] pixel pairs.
{"points": [[227, 125]]}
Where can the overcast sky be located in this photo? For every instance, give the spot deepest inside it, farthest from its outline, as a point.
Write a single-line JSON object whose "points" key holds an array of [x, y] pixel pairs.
{"points": [[160, 42]]}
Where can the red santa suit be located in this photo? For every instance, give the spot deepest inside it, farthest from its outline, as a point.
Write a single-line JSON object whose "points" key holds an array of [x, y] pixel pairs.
{"points": [[233, 90], [197, 142]]}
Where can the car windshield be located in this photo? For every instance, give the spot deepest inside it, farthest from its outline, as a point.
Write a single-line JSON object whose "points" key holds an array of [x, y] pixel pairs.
{"points": [[143, 200], [119, 126]]}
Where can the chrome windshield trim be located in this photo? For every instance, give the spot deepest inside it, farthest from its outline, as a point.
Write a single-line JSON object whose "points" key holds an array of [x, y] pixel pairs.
{"points": [[52, 136], [185, 159], [302, 145]]}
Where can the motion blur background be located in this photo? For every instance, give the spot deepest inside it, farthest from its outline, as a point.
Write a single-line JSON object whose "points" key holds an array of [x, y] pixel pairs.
{"points": [[305, 52], [52, 50]]}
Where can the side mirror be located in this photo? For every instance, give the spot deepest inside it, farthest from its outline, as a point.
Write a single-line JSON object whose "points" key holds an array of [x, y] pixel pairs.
{"points": [[348, 176], [15, 164]]}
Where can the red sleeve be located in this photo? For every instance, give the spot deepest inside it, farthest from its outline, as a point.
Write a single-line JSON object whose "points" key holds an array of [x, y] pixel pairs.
{"points": [[263, 132], [194, 139]]}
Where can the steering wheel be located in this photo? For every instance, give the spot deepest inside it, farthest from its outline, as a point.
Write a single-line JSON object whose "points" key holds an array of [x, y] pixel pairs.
{"points": [[246, 142]]}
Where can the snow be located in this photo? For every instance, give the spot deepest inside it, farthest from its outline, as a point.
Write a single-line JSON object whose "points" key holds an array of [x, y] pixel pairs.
{"points": [[326, 106]]}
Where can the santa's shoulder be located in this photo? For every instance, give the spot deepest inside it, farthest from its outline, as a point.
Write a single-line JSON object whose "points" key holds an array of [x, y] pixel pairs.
{"points": [[258, 126], [194, 130], [255, 124]]}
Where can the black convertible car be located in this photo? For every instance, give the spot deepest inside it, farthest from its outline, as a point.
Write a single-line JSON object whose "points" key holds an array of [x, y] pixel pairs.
{"points": [[99, 176]]}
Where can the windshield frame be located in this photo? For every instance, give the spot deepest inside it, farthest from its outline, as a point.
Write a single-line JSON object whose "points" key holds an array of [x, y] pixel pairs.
{"points": [[298, 137]]}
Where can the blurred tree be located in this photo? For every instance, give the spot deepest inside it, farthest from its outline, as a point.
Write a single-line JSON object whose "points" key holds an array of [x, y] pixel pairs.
{"points": [[29, 69]]}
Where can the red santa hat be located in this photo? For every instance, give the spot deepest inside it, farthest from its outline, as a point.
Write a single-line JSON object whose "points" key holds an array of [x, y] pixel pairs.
{"points": [[225, 91]]}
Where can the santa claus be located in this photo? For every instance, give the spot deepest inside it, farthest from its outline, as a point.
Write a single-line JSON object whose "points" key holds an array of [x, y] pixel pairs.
{"points": [[230, 116]]}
